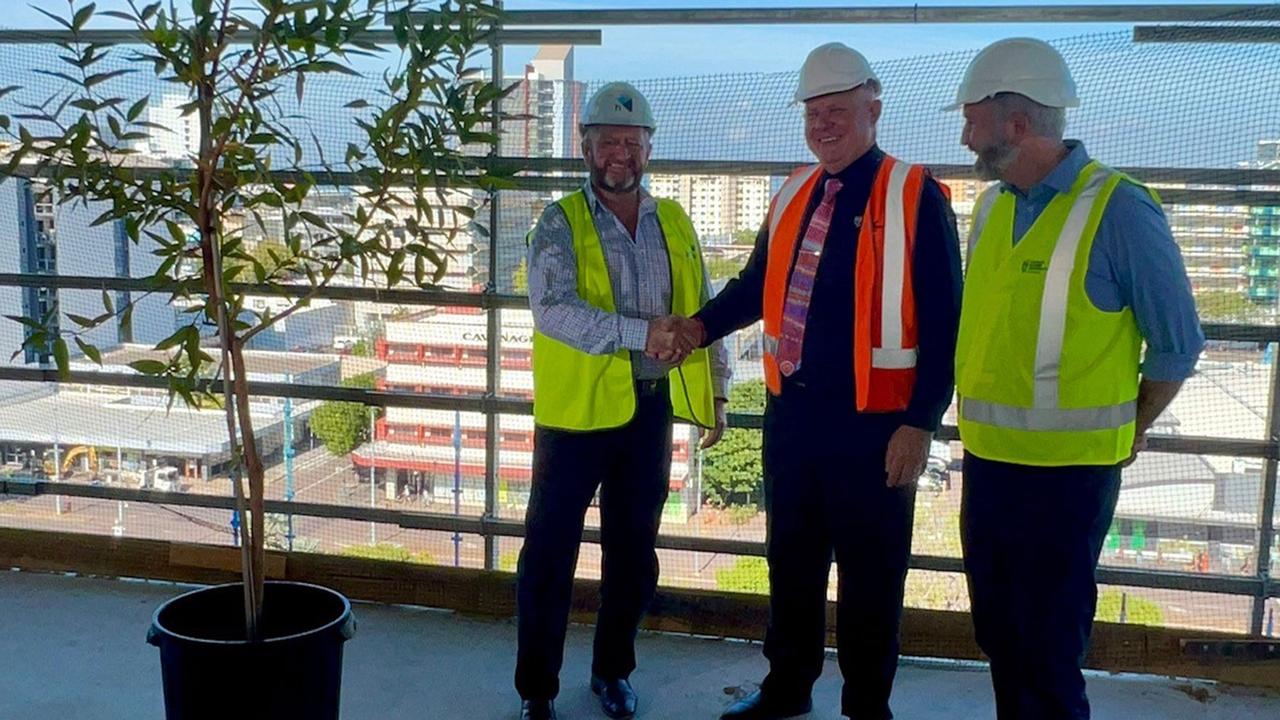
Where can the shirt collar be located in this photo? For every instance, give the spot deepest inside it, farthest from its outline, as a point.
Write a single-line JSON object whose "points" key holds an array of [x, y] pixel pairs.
{"points": [[866, 164], [647, 203], [1060, 178]]}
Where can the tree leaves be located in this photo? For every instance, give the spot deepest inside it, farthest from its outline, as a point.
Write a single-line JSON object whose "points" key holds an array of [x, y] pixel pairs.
{"points": [[732, 472], [414, 139]]}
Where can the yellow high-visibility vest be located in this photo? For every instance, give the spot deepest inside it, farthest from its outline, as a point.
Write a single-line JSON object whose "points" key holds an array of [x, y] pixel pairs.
{"points": [[1044, 376], [574, 390]]}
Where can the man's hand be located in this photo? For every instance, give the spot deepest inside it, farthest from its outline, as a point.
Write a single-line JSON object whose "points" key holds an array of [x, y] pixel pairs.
{"points": [[672, 338], [908, 452], [1139, 444], [691, 331], [711, 436]]}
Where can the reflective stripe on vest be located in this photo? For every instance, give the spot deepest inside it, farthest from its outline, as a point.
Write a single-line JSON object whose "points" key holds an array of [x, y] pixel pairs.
{"points": [[1094, 425], [890, 353], [1050, 418], [884, 299], [574, 390]]}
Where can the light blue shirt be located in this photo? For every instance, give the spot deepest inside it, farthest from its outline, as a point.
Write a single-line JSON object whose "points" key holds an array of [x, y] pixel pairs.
{"points": [[1134, 263], [639, 273]]}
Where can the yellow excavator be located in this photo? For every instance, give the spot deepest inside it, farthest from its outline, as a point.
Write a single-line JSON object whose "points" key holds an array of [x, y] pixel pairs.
{"points": [[68, 460]]}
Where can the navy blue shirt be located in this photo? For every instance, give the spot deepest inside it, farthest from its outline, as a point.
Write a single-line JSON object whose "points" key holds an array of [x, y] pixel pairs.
{"points": [[825, 376]]}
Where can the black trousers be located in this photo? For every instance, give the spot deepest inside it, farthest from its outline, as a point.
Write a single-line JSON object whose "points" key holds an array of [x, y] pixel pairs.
{"points": [[825, 493], [1031, 538], [632, 466]]}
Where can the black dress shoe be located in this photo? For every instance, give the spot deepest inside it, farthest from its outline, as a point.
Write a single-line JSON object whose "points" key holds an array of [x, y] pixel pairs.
{"points": [[759, 706], [616, 697], [537, 710]]}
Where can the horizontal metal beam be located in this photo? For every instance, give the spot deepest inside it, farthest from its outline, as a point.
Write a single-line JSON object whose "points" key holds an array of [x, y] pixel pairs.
{"points": [[379, 398], [1221, 177], [399, 296], [1242, 333], [541, 36], [1224, 185], [1193, 582], [1188, 445], [1211, 198], [491, 526], [1247, 34], [326, 178], [450, 298], [903, 14], [1201, 445]]}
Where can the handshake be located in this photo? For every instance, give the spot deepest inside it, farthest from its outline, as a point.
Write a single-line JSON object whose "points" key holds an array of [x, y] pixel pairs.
{"points": [[672, 338]]}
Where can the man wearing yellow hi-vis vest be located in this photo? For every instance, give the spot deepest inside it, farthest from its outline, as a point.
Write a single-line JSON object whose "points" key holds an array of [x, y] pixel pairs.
{"points": [[608, 266], [1071, 268]]}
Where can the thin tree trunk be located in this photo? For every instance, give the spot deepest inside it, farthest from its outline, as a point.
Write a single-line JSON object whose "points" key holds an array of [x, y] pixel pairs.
{"points": [[253, 466], [211, 259]]}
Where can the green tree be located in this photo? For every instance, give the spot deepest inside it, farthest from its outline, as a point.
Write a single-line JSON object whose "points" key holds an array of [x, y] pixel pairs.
{"points": [[340, 425], [520, 279], [936, 531], [1224, 305], [720, 267], [732, 470], [746, 575], [1137, 610], [744, 237], [271, 255], [508, 561], [239, 65], [387, 551]]}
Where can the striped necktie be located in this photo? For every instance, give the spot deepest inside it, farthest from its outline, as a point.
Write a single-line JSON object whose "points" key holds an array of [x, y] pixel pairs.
{"points": [[800, 290]]}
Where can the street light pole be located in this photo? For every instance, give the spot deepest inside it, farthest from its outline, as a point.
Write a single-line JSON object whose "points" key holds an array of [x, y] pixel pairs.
{"points": [[373, 473], [457, 485], [57, 476], [119, 529], [288, 460]]}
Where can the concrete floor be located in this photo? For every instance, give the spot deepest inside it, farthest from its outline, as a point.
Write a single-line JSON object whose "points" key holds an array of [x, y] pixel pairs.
{"points": [[73, 648]]}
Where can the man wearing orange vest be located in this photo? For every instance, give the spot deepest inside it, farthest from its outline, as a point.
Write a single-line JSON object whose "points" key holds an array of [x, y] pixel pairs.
{"points": [[856, 274]]}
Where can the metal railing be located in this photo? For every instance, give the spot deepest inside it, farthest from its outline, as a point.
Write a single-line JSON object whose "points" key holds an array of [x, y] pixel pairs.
{"points": [[565, 174]]}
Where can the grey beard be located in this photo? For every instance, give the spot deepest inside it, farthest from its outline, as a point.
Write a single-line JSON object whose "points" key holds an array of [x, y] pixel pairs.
{"points": [[992, 162], [601, 179]]}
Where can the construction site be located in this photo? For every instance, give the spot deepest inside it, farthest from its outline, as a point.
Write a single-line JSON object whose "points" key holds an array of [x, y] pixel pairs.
{"points": [[394, 415]]}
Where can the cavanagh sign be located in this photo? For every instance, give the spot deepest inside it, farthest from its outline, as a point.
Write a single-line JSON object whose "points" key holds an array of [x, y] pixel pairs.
{"points": [[506, 337]]}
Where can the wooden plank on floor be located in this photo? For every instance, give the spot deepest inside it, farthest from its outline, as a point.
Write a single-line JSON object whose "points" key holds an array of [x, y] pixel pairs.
{"points": [[925, 633]]}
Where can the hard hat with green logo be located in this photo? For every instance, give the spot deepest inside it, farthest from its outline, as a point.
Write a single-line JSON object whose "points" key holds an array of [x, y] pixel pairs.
{"points": [[618, 103]]}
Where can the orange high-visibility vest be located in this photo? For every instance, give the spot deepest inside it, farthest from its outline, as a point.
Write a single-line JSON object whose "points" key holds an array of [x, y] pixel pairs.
{"points": [[884, 329]]}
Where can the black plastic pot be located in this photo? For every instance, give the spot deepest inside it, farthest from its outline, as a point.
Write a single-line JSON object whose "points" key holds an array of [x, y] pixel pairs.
{"points": [[211, 671]]}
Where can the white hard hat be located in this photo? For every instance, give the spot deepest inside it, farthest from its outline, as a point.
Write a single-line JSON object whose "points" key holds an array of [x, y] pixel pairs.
{"points": [[1025, 66], [832, 68], [618, 103]]}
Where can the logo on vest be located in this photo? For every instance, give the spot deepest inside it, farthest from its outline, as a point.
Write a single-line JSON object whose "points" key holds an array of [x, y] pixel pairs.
{"points": [[786, 367], [1035, 266]]}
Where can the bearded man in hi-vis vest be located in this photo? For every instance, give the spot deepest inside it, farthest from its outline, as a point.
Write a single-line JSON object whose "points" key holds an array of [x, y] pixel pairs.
{"points": [[1071, 268], [608, 265], [856, 274]]}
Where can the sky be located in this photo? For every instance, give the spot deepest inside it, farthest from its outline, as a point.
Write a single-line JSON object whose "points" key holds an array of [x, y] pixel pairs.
{"points": [[724, 92], [645, 52]]}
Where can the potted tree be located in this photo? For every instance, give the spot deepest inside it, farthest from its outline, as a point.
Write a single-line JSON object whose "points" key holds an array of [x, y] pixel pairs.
{"points": [[242, 70]]}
